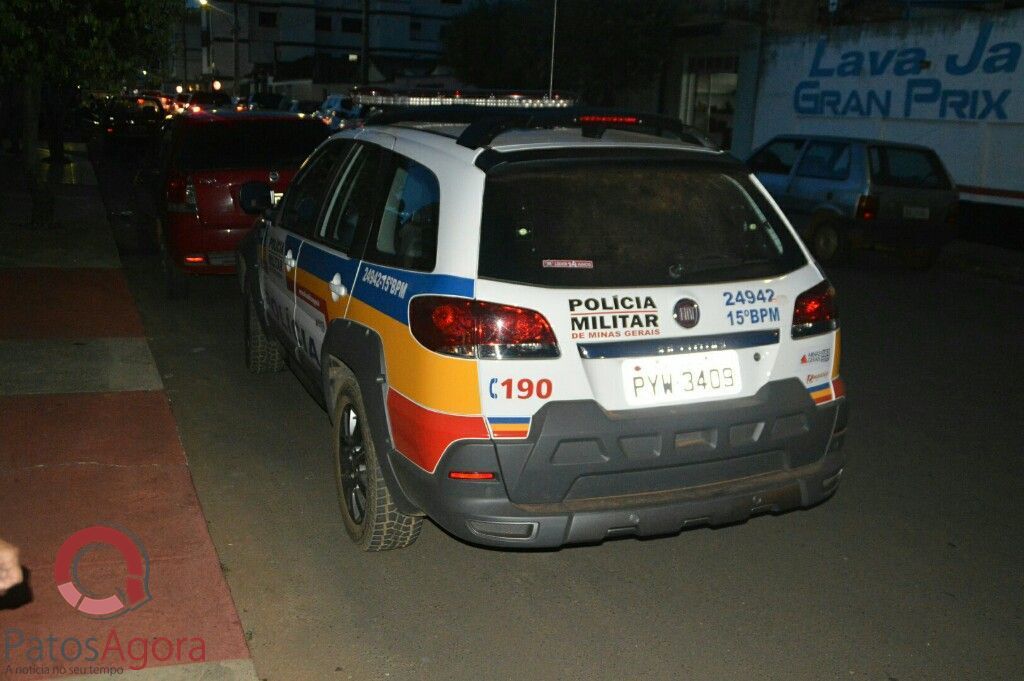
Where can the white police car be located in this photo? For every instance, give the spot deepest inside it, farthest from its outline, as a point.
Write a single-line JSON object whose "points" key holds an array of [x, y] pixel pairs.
{"points": [[542, 327]]}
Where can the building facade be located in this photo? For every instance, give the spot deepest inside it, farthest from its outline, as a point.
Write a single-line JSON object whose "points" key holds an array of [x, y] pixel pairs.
{"points": [[306, 47], [951, 80], [953, 84]]}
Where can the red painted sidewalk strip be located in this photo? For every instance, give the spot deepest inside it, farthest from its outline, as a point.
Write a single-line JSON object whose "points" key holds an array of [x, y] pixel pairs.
{"points": [[71, 461], [55, 429], [66, 303]]}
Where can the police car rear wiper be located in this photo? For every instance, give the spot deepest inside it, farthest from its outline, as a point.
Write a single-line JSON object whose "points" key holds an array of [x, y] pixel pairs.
{"points": [[707, 263]]}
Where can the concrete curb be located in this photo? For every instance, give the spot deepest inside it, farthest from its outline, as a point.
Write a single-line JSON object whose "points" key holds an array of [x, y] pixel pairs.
{"points": [[31, 367]]}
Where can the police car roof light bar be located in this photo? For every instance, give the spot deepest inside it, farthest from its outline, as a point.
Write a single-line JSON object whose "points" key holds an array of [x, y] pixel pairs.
{"points": [[487, 117], [495, 100], [593, 123]]}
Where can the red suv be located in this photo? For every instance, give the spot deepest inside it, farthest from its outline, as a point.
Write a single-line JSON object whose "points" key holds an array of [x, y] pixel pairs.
{"points": [[205, 161]]}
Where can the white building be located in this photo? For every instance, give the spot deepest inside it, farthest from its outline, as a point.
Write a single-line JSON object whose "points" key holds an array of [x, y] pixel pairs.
{"points": [[954, 84], [306, 47], [951, 79]]}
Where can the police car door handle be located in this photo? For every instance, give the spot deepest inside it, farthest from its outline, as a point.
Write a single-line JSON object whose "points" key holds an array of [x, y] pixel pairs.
{"points": [[289, 261], [337, 288]]}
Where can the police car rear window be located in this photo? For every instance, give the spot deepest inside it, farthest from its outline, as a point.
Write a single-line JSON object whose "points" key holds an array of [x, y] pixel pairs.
{"points": [[581, 223]]}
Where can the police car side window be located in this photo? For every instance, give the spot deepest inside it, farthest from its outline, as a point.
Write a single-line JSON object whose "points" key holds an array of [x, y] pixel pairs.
{"points": [[304, 197], [349, 206], [407, 233]]}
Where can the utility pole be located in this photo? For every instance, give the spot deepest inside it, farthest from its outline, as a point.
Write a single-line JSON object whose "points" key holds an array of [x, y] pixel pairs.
{"points": [[234, 35], [364, 57], [184, 46], [211, 57], [551, 73]]}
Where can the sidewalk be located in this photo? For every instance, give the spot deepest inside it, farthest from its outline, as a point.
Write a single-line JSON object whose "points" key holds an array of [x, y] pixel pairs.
{"points": [[87, 438]]}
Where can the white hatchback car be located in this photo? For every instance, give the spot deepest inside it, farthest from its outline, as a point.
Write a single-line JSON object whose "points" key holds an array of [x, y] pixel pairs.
{"points": [[548, 327]]}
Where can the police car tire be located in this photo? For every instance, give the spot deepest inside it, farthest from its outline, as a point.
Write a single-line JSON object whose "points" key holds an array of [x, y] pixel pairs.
{"points": [[383, 526], [262, 353]]}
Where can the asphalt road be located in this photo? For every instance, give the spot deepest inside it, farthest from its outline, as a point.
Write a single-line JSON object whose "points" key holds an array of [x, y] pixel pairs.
{"points": [[914, 570]]}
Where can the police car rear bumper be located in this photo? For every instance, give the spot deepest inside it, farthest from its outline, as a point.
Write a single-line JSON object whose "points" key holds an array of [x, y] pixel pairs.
{"points": [[723, 504], [755, 466]]}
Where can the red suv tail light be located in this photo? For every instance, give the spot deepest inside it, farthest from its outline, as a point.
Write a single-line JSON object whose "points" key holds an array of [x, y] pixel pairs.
{"points": [[481, 330], [815, 311], [181, 194], [867, 207]]}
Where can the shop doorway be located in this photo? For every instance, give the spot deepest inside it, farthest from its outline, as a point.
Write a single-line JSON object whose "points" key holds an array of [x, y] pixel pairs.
{"points": [[708, 95]]}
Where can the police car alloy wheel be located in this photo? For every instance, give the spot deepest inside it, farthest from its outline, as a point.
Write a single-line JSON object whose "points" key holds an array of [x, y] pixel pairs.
{"points": [[368, 512]]}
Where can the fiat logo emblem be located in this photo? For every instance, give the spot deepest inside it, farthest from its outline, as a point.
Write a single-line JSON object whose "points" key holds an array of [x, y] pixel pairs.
{"points": [[687, 313], [273, 176]]}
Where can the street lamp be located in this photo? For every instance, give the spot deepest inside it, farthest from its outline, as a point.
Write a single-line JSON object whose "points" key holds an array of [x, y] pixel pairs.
{"points": [[206, 4]]}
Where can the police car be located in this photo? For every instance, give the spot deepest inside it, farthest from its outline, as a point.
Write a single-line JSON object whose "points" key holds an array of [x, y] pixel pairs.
{"points": [[540, 327]]}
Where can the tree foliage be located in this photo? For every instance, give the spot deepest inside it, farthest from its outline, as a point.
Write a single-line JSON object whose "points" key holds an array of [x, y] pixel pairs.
{"points": [[601, 47], [60, 44], [88, 42]]}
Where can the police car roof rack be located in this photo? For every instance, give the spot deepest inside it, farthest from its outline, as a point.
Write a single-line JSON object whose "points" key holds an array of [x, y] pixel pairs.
{"points": [[375, 98], [592, 122], [484, 123]]}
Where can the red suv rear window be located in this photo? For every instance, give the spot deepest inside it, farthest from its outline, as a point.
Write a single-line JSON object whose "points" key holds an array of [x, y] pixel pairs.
{"points": [[252, 143]]}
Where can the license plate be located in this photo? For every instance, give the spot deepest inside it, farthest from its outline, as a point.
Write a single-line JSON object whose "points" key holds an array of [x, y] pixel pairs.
{"points": [[916, 212], [682, 378]]}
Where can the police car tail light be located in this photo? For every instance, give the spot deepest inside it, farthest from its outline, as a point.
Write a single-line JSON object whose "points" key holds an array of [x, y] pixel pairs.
{"points": [[479, 329], [815, 311]]}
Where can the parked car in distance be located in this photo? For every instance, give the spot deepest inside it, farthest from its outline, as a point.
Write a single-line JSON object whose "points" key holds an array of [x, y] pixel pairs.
{"points": [[165, 99], [261, 101], [842, 193], [207, 101], [180, 102], [204, 163], [306, 107], [337, 110], [133, 117]]}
